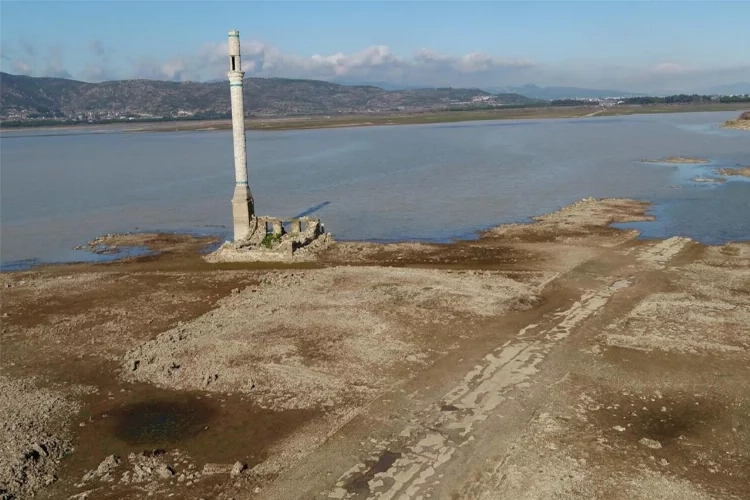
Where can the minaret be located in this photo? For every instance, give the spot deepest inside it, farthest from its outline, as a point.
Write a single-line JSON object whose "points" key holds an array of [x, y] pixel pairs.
{"points": [[243, 211]]}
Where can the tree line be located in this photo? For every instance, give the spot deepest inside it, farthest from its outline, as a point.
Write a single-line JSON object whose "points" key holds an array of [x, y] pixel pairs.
{"points": [[685, 99]]}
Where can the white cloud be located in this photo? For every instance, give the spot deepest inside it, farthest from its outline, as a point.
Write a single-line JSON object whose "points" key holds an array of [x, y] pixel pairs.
{"points": [[55, 66], [21, 67], [669, 69], [96, 48], [377, 63]]}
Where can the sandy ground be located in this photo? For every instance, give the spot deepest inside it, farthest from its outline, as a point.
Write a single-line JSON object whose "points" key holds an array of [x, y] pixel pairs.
{"points": [[560, 359], [742, 171], [741, 123], [679, 159]]}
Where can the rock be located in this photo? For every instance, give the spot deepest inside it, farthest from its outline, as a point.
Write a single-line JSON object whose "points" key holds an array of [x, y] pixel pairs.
{"points": [[210, 469], [237, 469], [655, 445], [108, 464], [164, 472]]}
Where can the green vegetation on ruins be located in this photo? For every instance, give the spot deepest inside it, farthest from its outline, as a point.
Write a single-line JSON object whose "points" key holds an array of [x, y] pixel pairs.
{"points": [[271, 240]]}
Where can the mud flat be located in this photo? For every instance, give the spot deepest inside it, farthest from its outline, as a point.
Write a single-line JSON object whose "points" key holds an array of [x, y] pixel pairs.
{"points": [[740, 171], [558, 359], [679, 160], [741, 123]]}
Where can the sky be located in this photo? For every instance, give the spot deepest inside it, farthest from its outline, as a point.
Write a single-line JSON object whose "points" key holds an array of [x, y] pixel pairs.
{"points": [[634, 46]]}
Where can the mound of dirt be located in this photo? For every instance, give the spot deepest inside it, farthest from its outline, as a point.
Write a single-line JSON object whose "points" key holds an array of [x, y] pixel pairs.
{"points": [[583, 218], [680, 160], [741, 171], [310, 339]]}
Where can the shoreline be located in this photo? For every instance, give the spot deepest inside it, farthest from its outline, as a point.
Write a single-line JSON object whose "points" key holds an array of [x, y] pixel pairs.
{"points": [[122, 252], [296, 377], [357, 120], [123, 248]]}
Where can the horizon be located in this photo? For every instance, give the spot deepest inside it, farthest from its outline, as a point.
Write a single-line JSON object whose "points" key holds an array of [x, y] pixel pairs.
{"points": [[650, 48], [393, 87]]}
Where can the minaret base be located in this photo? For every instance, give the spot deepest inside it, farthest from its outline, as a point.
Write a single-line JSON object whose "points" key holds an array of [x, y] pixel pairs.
{"points": [[243, 213], [271, 239]]}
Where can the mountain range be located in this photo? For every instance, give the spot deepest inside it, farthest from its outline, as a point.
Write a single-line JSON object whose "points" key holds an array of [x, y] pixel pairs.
{"points": [[25, 97], [554, 92]]}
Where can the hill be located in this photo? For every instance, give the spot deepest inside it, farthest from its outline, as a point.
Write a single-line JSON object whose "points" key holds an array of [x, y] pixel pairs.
{"points": [[552, 93], [25, 98], [739, 88]]}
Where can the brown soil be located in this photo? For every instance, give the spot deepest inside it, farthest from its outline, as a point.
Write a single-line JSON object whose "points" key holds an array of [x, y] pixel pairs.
{"points": [[741, 123], [679, 159], [560, 359], [741, 171]]}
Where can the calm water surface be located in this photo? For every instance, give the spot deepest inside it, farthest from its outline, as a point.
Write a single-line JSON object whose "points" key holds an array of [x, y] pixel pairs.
{"points": [[424, 182]]}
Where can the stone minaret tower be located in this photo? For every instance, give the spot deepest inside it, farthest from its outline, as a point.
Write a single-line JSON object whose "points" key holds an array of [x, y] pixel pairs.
{"points": [[243, 210]]}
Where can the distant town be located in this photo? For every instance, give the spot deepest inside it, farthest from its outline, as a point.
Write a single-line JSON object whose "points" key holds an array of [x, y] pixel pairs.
{"points": [[29, 101]]}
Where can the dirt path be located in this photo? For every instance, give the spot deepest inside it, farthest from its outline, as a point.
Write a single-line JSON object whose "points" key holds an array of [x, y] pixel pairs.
{"points": [[563, 359]]}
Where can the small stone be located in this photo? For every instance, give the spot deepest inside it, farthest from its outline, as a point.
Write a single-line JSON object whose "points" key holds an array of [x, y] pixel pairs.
{"points": [[210, 469], [650, 443], [164, 472], [257, 489], [108, 464], [237, 469]]}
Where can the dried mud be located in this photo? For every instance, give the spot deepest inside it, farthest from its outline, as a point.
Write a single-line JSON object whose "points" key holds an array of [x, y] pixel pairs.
{"points": [[740, 171], [558, 359], [679, 159]]}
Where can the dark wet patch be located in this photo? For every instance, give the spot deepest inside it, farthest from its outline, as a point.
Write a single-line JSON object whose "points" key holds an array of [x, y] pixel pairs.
{"points": [[161, 421], [358, 483], [202, 427], [449, 408], [682, 421], [700, 436], [666, 420]]}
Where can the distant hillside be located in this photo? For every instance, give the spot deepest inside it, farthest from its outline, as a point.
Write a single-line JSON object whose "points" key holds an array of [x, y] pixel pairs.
{"points": [[739, 88], [552, 93], [24, 98]]}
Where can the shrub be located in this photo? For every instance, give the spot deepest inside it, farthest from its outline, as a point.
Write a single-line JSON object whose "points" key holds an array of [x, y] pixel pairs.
{"points": [[270, 240]]}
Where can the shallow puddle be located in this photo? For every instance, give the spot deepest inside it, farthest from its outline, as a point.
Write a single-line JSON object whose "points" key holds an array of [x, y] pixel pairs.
{"points": [[160, 421]]}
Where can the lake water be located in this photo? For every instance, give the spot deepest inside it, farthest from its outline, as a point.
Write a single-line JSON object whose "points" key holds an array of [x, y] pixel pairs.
{"points": [[61, 188]]}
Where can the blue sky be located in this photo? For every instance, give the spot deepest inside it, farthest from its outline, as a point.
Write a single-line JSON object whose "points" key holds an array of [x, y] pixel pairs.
{"points": [[637, 46]]}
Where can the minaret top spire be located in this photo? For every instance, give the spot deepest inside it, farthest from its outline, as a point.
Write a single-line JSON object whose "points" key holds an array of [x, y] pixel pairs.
{"points": [[235, 61]]}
